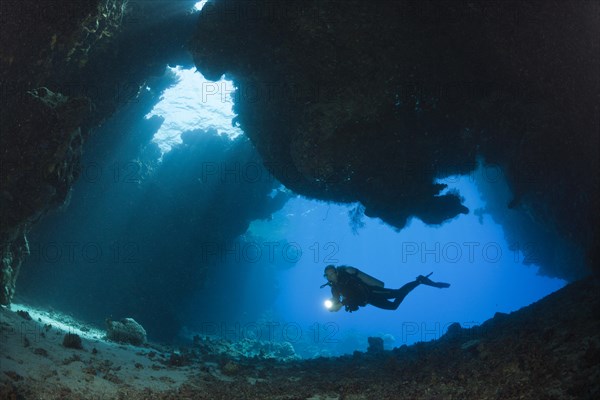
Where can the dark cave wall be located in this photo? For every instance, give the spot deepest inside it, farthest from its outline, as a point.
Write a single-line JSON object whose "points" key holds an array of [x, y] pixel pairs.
{"points": [[41, 133], [66, 67], [371, 101]]}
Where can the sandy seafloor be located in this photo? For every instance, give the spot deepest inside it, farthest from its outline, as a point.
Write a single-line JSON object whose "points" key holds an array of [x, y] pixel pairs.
{"points": [[548, 350]]}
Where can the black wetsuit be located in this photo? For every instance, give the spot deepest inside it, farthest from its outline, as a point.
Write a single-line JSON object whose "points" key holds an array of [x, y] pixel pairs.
{"points": [[355, 293]]}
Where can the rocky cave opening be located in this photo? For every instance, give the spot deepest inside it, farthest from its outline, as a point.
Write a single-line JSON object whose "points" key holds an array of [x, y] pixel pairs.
{"points": [[372, 108]]}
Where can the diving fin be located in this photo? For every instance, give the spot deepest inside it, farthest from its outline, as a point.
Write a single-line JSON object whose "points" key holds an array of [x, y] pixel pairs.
{"points": [[426, 281]]}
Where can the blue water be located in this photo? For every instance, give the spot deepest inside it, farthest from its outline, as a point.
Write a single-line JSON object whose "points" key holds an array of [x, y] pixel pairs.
{"points": [[486, 276]]}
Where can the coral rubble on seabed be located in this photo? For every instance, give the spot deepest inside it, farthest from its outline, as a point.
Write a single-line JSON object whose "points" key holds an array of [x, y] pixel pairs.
{"points": [[549, 350]]}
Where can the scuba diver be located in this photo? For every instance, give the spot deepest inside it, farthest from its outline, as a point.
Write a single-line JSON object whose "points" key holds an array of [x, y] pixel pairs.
{"points": [[352, 288]]}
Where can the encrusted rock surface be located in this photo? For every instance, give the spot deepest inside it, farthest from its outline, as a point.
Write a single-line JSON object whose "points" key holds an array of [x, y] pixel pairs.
{"points": [[127, 330]]}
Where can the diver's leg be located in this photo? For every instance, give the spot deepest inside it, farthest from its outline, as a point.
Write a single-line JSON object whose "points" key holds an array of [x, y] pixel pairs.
{"points": [[385, 293], [379, 297], [382, 302], [404, 290]]}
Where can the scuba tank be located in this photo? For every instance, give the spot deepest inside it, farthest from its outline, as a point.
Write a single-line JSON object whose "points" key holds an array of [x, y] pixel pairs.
{"points": [[365, 278]]}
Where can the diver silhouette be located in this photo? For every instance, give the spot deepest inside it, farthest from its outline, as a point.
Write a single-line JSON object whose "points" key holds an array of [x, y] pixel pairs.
{"points": [[352, 288]]}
